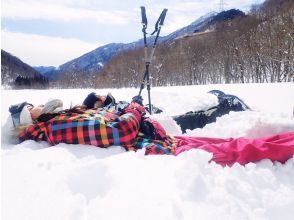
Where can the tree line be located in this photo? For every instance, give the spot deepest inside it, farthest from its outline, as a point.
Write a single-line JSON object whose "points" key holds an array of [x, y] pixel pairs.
{"points": [[19, 75], [36, 82]]}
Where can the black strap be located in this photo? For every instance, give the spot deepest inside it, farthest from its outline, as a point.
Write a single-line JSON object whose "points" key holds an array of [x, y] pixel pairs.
{"points": [[17, 108], [160, 21]]}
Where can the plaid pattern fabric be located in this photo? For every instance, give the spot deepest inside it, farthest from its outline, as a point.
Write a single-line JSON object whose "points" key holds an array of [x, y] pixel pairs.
{"points": [[101, 129], [153, 147], [88, 128]]}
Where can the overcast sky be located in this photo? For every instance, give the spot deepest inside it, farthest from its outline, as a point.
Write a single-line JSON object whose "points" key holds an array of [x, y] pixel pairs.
{"points": [[52, 32]]}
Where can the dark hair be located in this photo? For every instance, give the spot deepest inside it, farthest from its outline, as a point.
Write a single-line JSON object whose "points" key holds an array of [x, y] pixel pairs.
{"points": [[90, 100], [79, 109]]}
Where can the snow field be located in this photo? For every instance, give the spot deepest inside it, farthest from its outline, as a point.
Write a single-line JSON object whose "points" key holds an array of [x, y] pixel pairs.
{"points": [[73, 182]]}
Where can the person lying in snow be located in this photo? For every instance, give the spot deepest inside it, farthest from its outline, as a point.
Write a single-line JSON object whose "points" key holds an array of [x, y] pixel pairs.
{"points": [[94, 100], [189, 120], [133, 130]]}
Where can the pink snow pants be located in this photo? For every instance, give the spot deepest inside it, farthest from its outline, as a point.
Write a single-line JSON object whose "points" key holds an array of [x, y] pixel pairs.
{"points": [[279, 147]]}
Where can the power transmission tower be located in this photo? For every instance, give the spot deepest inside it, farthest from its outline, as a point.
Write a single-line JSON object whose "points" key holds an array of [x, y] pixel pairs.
{"points": [[221, 5]]}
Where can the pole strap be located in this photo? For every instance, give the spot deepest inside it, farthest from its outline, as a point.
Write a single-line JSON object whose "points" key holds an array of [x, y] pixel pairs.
{"points": [[160, 21]]}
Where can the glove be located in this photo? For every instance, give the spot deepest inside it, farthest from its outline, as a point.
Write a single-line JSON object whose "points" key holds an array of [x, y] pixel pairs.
{"points": [[138, 99], [137, 110], [152, 129]]}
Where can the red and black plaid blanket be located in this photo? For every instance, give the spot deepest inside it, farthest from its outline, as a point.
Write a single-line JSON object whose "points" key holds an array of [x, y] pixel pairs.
{"points": [[85, 129], [102, 130]]}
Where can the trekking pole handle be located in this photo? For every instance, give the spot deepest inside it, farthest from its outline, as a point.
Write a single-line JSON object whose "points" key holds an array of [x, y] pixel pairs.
{"points": [[163, 14], [144, 22], [143, 14]]}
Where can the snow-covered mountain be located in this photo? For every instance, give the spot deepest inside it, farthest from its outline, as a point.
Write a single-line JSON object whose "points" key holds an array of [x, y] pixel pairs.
{"points": [[47, 71], [93, 60], [199, 24], [96, 59]]}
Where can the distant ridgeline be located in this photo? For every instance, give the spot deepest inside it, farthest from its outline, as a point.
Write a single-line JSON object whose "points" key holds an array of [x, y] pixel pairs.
{"points": [[19, 75]]}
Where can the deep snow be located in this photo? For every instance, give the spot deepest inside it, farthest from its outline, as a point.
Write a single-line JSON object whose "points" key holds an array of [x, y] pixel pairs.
{"points": [[83, 182]]}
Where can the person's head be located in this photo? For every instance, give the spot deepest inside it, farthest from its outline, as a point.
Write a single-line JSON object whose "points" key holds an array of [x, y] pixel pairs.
{"points": [[94, 100], [25, 113], [19, 119]]}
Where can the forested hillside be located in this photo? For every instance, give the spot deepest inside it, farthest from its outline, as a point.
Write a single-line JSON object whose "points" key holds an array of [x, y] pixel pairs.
{"points": [[256, 48], [17, 74]]}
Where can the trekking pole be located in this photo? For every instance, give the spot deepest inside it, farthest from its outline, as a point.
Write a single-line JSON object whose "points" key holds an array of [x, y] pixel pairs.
{"points": [[144, 22], [158, 25]]}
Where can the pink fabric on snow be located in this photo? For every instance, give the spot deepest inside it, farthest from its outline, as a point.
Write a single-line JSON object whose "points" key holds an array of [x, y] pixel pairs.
{"points": [[279, 147]]}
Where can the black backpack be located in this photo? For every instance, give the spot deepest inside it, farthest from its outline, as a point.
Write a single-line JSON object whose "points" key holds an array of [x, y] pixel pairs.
{"points": [[199, 119]]}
